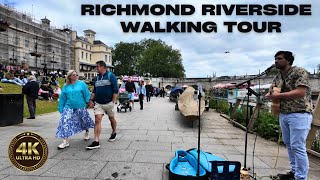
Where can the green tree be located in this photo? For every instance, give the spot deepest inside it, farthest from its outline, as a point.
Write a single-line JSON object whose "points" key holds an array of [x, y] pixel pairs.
{"points": [[125, 57], [160, 60]]}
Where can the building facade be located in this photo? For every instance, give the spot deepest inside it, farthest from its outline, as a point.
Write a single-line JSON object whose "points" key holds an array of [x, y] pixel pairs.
{"points": [[87, 51], [34, 44]]}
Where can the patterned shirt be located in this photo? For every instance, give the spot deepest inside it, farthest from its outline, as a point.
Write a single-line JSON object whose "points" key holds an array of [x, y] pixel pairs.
{"points": [[296, 77]]}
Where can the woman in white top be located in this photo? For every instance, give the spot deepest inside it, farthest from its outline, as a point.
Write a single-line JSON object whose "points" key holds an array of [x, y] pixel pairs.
{"points": [[56, 91]]}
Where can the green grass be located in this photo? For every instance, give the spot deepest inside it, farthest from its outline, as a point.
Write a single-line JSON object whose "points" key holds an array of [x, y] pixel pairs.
{"points": [[43, 106]]}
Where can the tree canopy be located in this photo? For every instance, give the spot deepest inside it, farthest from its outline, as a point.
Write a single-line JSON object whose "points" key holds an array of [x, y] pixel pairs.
{"points": [[149, 57]]}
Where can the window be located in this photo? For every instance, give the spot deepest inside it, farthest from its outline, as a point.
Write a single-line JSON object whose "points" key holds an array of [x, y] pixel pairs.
{"points": [[90, 57], [17, 40], [106, 58], [81, 55], [86, 56], [26, 43], [86, 46]]}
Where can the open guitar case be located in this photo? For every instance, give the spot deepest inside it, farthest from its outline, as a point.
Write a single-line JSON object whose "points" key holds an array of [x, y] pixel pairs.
{"points": [[194, 164]]}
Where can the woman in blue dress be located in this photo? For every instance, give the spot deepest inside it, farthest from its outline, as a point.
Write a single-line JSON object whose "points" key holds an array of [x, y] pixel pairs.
{"points": [[72, 106]]}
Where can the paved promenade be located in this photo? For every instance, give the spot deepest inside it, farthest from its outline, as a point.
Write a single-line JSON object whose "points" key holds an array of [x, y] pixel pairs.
{"points": [[146, 142]]}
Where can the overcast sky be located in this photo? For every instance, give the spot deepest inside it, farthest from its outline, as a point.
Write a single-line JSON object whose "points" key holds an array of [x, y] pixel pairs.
{"points": [[203, 53]]}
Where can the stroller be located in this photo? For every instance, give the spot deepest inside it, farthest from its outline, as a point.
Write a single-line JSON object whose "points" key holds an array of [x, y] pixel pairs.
{"points": [[123, 102]]}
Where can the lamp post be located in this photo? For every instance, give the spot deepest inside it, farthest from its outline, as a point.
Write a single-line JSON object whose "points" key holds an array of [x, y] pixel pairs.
{"points": [[44, 61], [44, 65], [53, 61], [35, 52], [13, 59]]}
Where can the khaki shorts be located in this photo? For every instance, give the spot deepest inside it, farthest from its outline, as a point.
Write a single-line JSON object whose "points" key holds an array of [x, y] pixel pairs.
{"points": [[104, 108]]}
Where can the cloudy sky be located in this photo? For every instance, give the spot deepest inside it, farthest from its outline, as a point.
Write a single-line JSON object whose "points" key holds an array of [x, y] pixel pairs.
{"points": [[203, 53]]}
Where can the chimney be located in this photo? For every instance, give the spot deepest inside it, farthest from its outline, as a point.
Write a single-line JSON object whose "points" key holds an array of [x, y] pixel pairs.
{"points": [[89, 35], [45, 22]]}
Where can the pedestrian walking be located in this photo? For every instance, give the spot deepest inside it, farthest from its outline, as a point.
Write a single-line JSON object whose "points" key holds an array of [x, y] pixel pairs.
{"points": [[149, 90], [31, 91], [72, 106], [103, 98], [141, 92], [131, 88]]}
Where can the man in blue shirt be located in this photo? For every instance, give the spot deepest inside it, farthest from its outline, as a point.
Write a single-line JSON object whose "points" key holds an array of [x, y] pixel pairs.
{"points": [[103, 97]]}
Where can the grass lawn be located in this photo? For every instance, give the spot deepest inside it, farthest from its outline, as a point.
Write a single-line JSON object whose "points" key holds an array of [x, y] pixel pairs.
{"points": [[43, 106]]}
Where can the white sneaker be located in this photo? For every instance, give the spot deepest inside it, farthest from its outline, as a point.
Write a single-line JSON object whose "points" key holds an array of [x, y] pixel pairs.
{"points": [[63, 145], [87, 136]]}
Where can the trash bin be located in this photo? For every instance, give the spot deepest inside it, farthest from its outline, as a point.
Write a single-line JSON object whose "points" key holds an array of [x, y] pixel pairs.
{"points": [[11, 109]]}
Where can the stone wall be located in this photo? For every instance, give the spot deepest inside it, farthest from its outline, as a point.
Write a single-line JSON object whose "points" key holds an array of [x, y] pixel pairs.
{"points": [[207, 83]]}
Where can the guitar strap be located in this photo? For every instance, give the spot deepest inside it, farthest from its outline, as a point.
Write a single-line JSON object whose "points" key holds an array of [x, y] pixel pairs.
{"points": [[283, 86]]}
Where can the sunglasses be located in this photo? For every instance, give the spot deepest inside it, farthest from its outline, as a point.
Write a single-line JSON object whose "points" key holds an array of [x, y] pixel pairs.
{"points": [[74, 74]]}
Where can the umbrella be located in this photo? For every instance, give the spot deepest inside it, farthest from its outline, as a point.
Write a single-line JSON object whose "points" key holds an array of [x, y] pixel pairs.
{"points": [[219, 85]]}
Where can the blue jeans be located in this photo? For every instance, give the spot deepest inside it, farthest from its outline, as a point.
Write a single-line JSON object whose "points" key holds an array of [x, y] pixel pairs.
{"points": [[295, 128]]}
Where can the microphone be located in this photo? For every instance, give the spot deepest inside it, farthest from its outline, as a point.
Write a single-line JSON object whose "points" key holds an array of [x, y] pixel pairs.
{"points": [[269, 68]]}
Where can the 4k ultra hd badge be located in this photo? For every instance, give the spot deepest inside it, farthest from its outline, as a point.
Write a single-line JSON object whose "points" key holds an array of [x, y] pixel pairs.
{"points": [[28, 151]]}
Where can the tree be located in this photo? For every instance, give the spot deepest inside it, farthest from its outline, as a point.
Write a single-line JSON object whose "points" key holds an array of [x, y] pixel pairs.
{"points": [[160, 60], [149, 57], [318, 70], [125, 57]]}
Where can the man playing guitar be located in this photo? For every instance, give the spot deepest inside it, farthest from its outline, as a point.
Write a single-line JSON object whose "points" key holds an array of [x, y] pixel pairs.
{"points": [[295, 112]]}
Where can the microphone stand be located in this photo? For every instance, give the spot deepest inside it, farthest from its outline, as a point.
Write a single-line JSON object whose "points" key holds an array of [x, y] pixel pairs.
{"points": [[199, 130], [249, 93]]}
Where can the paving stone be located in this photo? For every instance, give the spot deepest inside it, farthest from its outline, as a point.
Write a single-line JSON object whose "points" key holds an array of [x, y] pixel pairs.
{"points": [[258, 163], [131, 137], [74, 154], [113, 155], [151, 146], [134, 132], [280, 162], [75, 169], [4, 163], [153, 157], [2, 176], [170, 139], [160, 133], [12, 170], [134, 171], [261, 150], [202, 140], [35, 178]]}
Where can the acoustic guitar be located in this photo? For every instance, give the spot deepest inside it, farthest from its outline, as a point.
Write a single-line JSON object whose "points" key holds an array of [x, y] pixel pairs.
{"points": [[275, 106]]}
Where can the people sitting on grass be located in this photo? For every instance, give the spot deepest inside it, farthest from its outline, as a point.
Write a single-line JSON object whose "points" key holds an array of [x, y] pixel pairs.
{"points": [[1, 74], [53, 80], [10, 78], [45, 91], [23, 78], [56, 92]]}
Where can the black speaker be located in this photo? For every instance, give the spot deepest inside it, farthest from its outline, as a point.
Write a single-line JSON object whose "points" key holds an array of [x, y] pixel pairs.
{"points": [[11, 109]]}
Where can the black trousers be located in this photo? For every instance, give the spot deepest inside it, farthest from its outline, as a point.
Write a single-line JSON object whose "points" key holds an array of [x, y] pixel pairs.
{"points": [[31, 101], [141, 100], [148, 97]]}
